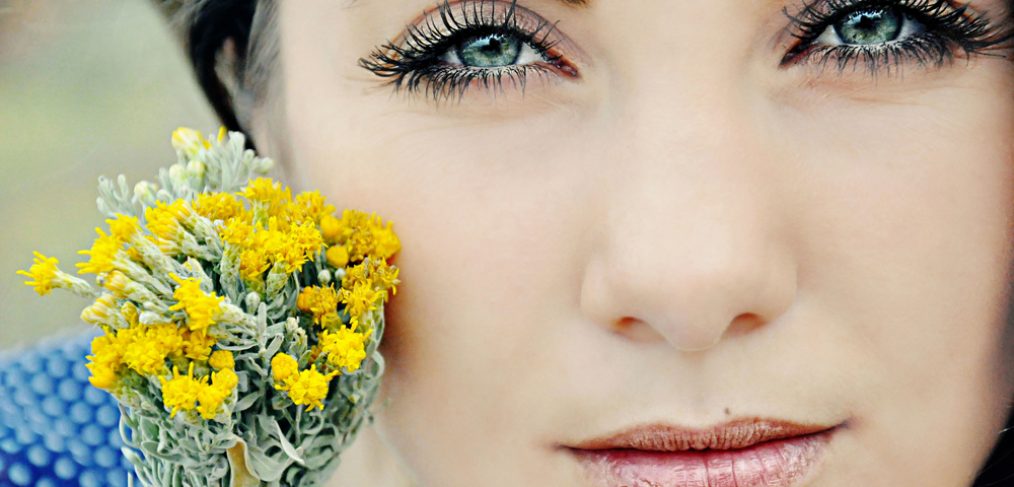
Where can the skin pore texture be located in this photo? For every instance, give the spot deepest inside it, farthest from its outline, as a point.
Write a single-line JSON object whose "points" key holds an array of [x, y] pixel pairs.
{"points": [[684, 232]]}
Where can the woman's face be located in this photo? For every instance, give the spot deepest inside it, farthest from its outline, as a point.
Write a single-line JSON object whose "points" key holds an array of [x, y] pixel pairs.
{"points": [[687, 218]]}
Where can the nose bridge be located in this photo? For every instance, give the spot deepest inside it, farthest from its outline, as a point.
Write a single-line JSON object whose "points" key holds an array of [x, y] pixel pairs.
{"points": [[690, 238]]}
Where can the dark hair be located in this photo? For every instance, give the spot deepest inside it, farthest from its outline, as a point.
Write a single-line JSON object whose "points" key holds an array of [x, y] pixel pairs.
{"points": [[232, 48], [207, 27]]}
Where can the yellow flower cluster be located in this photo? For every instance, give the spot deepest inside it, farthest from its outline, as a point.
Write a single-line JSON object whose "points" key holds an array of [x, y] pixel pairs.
{"points": [[201, 308], [345, 348], [263, 233], [362, 235], [322, 303], [305, 387], [278, 229], [187, 393]]}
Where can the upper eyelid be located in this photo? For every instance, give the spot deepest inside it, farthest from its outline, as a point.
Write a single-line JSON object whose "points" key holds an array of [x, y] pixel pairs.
{"points": [[527, 20]]}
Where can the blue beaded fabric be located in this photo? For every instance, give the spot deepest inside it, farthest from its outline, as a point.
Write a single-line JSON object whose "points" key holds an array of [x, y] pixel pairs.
{"points": [[56, 429]]}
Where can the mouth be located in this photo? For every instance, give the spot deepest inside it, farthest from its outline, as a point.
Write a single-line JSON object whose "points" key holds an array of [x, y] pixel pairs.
{"points": [[749, 452]]}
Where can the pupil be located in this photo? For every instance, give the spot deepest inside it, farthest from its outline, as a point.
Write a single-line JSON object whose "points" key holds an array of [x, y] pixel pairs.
{"points": [[871, 26], [489, 51]]}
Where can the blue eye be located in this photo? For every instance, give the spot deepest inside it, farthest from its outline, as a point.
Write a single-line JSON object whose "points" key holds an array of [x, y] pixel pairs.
{"points": [[870, 26], [486, 51], [884, 34], [488, 46]]}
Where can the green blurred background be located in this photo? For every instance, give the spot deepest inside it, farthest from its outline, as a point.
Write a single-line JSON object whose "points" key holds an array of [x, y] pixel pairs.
{"points": [[87, 88]]}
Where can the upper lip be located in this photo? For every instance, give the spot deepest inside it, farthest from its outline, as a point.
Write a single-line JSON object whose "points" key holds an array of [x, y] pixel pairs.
{"points": [[739, 433]]}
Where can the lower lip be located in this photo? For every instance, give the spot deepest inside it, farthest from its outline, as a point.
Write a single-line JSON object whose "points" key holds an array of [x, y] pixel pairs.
{"points": [[778, 463]]}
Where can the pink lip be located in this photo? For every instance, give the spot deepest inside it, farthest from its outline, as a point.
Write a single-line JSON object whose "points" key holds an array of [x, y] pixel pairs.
{"points": [[742, 453]]}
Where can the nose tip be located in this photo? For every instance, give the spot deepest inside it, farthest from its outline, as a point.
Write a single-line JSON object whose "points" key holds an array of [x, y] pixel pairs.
{"points": [[691, 303]]}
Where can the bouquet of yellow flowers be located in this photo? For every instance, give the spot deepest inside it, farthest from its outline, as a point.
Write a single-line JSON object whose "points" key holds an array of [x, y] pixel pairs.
{"points": [[239, 323]]}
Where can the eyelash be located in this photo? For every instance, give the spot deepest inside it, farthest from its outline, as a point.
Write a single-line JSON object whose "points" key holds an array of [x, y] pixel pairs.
{"points": [[947, 28], [417, 67]]}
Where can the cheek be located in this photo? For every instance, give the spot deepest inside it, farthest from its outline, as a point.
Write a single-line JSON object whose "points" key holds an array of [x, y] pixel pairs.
{"points": [[907, 215]]}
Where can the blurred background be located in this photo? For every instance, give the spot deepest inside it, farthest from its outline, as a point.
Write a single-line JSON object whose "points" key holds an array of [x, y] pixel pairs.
{"points": [[87, 88]]}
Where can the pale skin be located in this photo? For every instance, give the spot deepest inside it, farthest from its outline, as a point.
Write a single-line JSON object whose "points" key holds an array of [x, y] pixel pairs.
{"points": [[687, 232]]}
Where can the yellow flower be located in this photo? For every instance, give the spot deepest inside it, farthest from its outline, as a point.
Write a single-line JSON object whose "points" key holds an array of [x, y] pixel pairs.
{"points": [[360, 299], [376, 272], [189, 141], [218, 206], [43, 273], [123, 227], [146, 347], [222, 359], [344, 348], [283, 367], [331, 228], [236, 231], [201, 308], [129, 312], [308, 387], [365, 235], [306, 240], [101, 255], [101, 312], [337, 256], [318, 301], [211, 396], [266, 190], [225, 379], [253, 263], [310, 206], [181, 391], [104, 361], [197, 344], [163, 220]]}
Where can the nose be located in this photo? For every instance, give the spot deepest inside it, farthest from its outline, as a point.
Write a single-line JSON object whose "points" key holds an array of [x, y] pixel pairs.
{"points": [[690, 246]]}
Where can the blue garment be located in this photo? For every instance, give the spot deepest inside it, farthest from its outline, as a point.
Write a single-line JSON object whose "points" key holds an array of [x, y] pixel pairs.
{"points": [[56, 429]]}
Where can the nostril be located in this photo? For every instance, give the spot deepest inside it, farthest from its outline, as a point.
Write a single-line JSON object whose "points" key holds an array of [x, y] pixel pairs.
{"points": [[635, 329], [744, 323]]}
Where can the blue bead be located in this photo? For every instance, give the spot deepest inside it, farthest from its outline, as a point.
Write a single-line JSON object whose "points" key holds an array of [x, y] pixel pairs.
{"points": [[13, 376], [81, 453], [116, 478], [52, 406], [57, 366], [92, 435], [54, 442], [10, 445], [36, 417], [64, 468], [38, 456], [64, 427], [24, 434], [20, 474], [31, 362], [81, 413], [45, 482], [90, 478], [106, 457], [81, 373], [95, 395], [24, 397], [42, 385], [108, 416], [113, 439], [70, 389]]}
